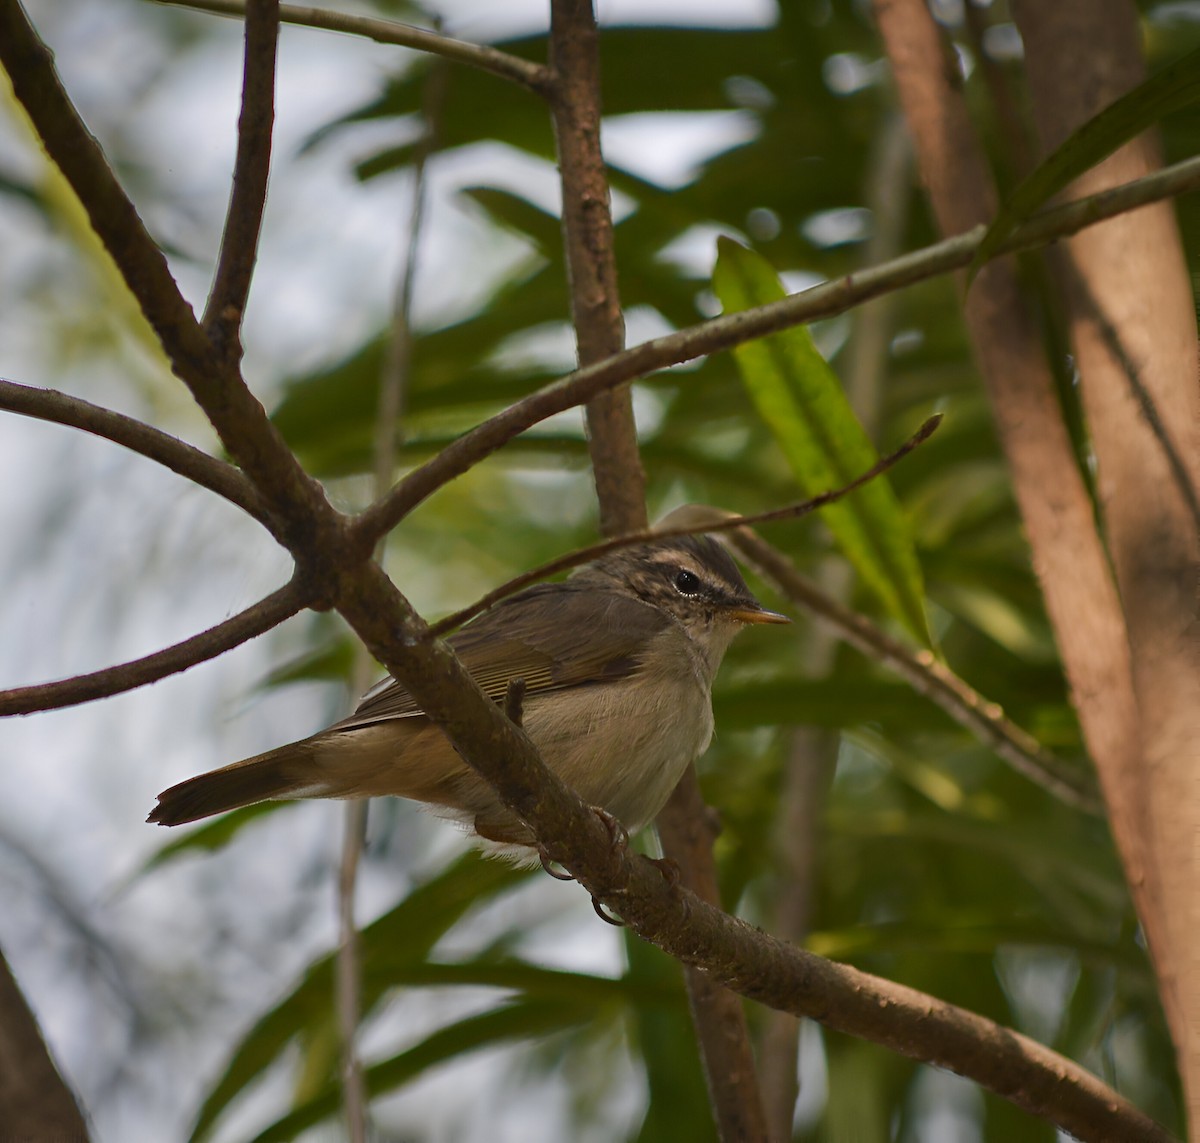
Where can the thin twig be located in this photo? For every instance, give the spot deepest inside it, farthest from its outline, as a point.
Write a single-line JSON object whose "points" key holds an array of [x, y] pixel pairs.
{"points": [[267, 613], [393, 387], [531, 75], [243, 222], [709, 523], [181, 458], [826, 300], [926, 676]]}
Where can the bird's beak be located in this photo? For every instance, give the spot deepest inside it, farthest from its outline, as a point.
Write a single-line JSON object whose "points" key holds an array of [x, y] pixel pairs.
{"points": [[757, 614]]}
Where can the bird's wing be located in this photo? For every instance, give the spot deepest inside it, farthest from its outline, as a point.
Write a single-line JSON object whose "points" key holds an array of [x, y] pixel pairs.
{"points": [[553, 636]]}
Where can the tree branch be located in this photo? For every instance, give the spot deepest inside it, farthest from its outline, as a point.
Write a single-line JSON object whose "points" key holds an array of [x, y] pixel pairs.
{"points": [[243, 222], [731, 952], [232, 632], [1137, 284], [926, 676], [734, 954], [240, 421], [591, 261], [684, 522], [823, 301], [531, 75], [1072, 566], [181, 458]]}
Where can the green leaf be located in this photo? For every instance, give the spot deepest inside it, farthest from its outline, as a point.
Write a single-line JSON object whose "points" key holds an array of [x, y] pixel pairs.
{"points": [[1175, 87], [211, 836], [519, 1020], [403, 936], [802, 401], [677, 1106]]}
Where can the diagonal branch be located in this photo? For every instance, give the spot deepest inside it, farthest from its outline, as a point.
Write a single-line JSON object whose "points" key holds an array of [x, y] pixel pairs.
{"points": [[926, 676], [243, 222], [823, 301], [181, 458], [30, 66], [680, 525], [732, 953], [534, 76], [240, 421], [267, 613]]}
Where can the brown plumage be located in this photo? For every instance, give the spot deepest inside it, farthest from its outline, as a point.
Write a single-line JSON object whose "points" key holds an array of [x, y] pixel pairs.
{"points": [[618, 664]]}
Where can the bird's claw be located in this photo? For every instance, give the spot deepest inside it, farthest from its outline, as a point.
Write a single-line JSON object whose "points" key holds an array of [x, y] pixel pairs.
{"points": [[670, 870], [616, 831], [548, 865], [608, 918]]}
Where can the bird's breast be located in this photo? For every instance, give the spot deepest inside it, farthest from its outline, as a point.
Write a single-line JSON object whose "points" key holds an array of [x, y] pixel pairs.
{"points": [[625, 745]]}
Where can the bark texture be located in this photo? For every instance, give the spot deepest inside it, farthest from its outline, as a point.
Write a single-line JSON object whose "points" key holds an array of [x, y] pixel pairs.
{"points": [[1131, 311]]}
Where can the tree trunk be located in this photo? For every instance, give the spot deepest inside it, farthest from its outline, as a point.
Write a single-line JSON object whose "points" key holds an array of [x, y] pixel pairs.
{"points": [[1131, 312]]}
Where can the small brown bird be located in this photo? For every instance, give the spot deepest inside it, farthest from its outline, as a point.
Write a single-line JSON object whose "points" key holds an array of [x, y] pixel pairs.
{"points": [[618, 664]]}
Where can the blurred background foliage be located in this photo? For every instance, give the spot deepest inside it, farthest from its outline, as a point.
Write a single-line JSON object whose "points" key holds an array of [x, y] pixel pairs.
{"points": [[931, 862]]}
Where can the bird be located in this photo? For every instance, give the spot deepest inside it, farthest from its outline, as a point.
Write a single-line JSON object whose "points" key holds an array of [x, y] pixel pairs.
{"points": [[617, 664]]}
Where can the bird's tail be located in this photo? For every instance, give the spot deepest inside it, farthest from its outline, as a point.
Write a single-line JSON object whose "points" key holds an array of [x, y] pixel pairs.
{"points": [[286, 772]]}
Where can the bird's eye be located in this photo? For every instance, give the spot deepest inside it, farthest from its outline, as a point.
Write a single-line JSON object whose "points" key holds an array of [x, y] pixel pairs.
{"points": [[686, 582]]}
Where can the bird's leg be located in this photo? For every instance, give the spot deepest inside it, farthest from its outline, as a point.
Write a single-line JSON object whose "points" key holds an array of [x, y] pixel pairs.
{"points": [[514, 701], [619, 836]]}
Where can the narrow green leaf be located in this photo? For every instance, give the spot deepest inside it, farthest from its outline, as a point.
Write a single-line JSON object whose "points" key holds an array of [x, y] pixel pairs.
{"points": [[211, 836], [406, 934], [520, 1020], [666, 1045], [971, 934], [802, 401], [1171, 89]]}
